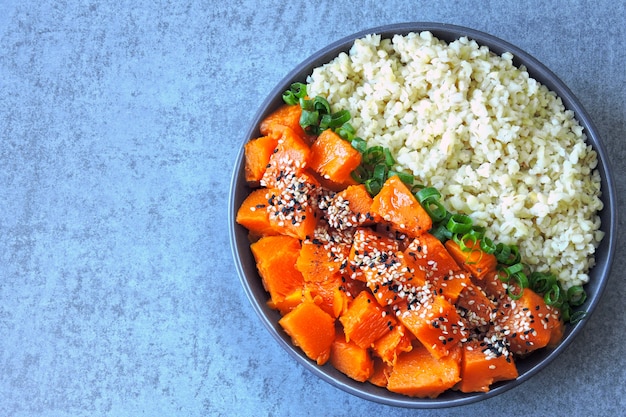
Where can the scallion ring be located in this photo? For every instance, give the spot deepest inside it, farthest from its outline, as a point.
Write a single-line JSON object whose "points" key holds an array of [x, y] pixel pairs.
{"points": [[309, 119], [360, 174], [441, 232], [389, 160], [507, 254], [359, 144], [576, 296], [487, 245], [404, 177], [373, 155], [321, 105], [373, 186], [427, 193], [346, 131], [552, 296], [298, 90], [429, 199], [295, 92], [459, 223], [519, 280], [541, 282], [337, 119], [290, 98], [462, 240], [380, 173], [577, 316]]}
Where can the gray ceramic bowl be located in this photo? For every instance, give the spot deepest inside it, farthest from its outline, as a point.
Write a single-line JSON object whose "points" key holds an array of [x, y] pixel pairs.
{"points": [[527, 367]]}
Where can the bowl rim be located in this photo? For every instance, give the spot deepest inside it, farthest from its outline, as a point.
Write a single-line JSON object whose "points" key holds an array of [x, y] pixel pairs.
{"points": [[599, 273]]}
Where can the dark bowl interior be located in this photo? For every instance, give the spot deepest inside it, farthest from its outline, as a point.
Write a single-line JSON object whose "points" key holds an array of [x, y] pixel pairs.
{"points": [[252, 283]]}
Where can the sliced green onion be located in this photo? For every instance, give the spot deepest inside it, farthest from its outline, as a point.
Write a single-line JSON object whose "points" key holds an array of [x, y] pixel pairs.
{"points": [[502, 252], [520, 281], [566, 312], [359, 144], [373, 186], [290, 98], [552, 296], [373, 155], [429, 199], [540, 282], [325, 121], [434, 209], [380, 173], [295, 92], [576, 296], [514, 269], [404, 177], [306, 104], [427, 193], [487, 245], [441, 232], [416, 187], [335, 120], [360, 174], [339, 118], [462, 241], [309, 120], [577, 316], [460, 223], [507, 254], [298, 90], [321, 105], [389, 161], [346, 131]]}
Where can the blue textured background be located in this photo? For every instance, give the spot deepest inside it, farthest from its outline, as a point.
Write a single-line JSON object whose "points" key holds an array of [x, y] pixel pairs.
{"points": [[119, 126]]}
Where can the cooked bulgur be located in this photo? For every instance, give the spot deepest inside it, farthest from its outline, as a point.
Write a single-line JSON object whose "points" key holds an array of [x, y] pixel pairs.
{"points": [[497, 144]]}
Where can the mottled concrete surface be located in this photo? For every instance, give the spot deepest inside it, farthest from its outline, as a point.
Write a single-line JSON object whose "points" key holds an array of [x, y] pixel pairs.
{"points": [[119, 126]]}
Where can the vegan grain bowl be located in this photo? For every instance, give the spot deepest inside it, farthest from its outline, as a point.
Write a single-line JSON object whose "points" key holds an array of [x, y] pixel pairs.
{"points": [[422, 215]]}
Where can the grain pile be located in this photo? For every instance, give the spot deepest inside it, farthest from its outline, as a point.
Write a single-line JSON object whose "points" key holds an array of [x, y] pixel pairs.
{"points": [[497, 144]]}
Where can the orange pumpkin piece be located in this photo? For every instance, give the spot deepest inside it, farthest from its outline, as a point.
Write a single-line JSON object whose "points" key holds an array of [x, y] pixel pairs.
{"points": [[319, 260], [450, 286], [391, 281], [381, 373], [419, 374], [292, 210], [289, 158], [351, 359], [368, 248], [334, 159], [475, 261], [311, 329], [365, 320], [351, 288], [483, 363], [285, 116], [341, 300], [389, 346], [325, 294], [350, 207], [257, 156], [475, 306], [528, 322], [397, 205], [429, 254], [492, 285], [253, 214], [436, 324], [276, 262], [288, 303]]}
